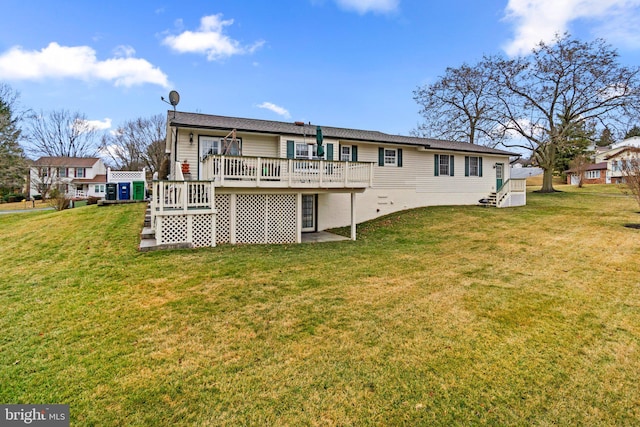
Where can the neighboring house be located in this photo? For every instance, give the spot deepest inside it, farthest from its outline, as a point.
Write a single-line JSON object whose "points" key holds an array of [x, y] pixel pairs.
{"points": [[615, 162], [77, 177], [592, 174], [258, 181]]}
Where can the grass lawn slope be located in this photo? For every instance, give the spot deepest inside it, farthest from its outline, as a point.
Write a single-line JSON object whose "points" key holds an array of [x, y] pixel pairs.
{"points": [[437, 316]]}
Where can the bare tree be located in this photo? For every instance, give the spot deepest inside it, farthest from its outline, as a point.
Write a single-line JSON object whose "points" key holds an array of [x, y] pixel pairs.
{"points": [[137, 143], [461, 106], [560, 86], [631, 173], [61, 133], [579, 166]]}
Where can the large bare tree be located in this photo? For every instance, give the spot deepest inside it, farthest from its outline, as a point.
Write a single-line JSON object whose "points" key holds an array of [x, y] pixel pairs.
{"points": [[137, 143], [558, 88], [61, 133], [631, 172], [461, 106]]}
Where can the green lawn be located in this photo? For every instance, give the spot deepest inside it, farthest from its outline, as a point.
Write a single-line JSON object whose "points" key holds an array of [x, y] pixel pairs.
{"points": [[438, 316]]}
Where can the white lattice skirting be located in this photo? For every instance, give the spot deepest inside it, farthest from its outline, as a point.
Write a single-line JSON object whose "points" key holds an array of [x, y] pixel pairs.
{"points": [[239, 218], [196, 229]]}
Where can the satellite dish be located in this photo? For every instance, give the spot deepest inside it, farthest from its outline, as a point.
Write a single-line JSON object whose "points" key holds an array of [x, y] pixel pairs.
{"points": [[174, 98]]}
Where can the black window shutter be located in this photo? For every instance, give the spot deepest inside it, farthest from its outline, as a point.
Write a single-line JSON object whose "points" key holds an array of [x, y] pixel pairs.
{"points": [[380, 156], [436, 167], [451, 161], [329, 152], [354, 153], [399, 157], [479, 166], [466, 165]]}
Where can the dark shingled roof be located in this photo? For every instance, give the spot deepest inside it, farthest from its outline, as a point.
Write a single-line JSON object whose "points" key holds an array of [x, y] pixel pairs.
{"points": [[591, 167], [69, 162], [208, 121]]}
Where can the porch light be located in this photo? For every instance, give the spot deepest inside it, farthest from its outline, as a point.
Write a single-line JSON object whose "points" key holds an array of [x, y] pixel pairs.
{"points": [[191, 138]]}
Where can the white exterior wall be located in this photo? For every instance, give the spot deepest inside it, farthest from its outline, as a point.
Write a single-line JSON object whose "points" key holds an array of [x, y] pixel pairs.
{"points": [[252, 146], [411, 186]]}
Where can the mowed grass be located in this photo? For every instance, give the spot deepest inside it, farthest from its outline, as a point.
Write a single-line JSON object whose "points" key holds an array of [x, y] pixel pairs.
{"points": [[436, 316]]}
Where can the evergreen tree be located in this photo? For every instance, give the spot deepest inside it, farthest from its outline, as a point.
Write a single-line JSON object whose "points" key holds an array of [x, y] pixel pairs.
{"points": [[13, 166]]}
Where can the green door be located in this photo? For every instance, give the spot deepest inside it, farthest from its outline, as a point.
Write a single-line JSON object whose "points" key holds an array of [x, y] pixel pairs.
{"points": [[499, 176]]}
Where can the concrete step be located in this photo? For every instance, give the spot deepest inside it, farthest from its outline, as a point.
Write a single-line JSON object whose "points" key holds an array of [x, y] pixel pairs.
{"points": [[148, 245], [148, 233]]}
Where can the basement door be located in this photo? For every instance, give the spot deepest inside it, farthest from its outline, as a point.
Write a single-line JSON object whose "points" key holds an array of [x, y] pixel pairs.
{"points": [[308, 213]]}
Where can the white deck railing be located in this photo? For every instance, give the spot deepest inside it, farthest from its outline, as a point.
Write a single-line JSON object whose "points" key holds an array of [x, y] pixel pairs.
{"points": [[508, 189], [243, 171], [181, 196]]}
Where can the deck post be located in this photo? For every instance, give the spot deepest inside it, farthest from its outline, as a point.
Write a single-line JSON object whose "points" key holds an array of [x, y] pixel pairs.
{"points": [[299, 218], [346, 174], [258, 171], [232, 218], [353, 216]]}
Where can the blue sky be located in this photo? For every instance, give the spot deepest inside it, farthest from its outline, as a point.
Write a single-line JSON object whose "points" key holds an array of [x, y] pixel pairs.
{"points": [[345, 63]]}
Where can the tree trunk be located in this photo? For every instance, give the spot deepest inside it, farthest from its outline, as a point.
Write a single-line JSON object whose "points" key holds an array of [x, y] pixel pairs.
{"points": [[546, 160], [547, 181]]}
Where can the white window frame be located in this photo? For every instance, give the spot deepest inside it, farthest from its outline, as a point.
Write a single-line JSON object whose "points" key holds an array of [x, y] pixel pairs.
{"points": [[212, 145], [474, 170], [443, 167], [81, 173], [390, 157], [305, 151], [63, 172], [345, 153], [594, 174]]}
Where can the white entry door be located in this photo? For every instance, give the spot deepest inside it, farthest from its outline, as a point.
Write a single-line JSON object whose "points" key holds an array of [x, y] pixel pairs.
{"points": [[308, 213]]}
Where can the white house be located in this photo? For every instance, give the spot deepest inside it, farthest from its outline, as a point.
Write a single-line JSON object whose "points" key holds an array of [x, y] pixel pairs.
{"points": [[258, 181], [77, 177]]}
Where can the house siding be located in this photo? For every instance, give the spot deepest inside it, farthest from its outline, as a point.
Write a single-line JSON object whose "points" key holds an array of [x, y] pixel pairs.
{"points": [[412, 183], [411, 186]]}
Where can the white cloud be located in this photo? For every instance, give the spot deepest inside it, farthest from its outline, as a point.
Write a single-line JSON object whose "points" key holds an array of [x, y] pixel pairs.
{"points": [[210, 40], [536, 20], [276, 109], [124, 51], [79, 62], [95, 124], [364, 6]]}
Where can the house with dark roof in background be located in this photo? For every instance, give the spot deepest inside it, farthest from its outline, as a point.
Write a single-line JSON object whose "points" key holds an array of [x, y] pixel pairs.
{"points": [[76, 177], [237, 180]]}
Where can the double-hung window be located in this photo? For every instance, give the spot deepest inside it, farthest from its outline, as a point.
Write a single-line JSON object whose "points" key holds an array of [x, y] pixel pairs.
{"points": [[62, 172], [80, 173], [443, 165], [390, 156], [345, 153], [472, 166]]}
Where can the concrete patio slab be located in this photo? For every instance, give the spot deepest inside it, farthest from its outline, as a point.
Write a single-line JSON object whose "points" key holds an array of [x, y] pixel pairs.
{"points": [[322, 236]]}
